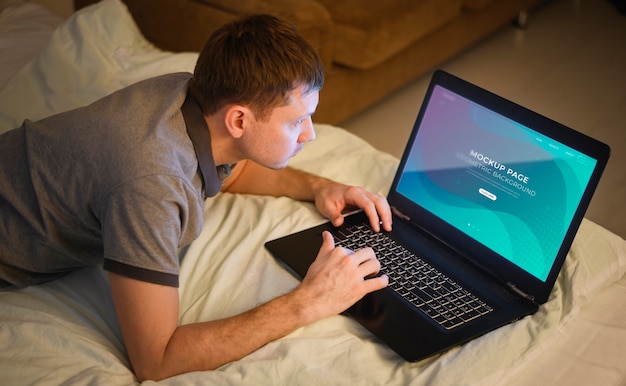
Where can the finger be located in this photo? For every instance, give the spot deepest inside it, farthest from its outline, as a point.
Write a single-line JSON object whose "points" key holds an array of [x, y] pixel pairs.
{"points": [[337, 221], [363, 201], [372, 215], [364, 256], [328, 242], [379, 213], [369, 268], [376, 283], [384, 212]]}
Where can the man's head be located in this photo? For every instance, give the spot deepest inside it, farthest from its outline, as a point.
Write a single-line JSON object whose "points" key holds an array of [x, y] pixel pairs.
{"points": [[255, 61]]}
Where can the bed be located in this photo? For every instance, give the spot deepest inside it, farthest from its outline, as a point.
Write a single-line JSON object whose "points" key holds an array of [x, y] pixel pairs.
{"points": [[66, 332]]}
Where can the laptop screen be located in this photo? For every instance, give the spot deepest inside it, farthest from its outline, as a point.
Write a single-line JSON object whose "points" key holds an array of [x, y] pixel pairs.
{"points": [[503, 184]]}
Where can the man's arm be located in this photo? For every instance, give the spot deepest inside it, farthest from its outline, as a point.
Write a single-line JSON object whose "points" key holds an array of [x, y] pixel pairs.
{"points": [[158, 348], [330, 197]]}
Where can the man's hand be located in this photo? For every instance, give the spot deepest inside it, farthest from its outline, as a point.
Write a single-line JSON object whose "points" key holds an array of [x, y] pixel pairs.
{"points": [[338, 278], [333, 198]]}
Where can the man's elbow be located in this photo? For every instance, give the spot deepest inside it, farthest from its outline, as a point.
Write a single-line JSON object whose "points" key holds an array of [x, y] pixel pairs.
{"points": [[145, 373], [158, 371], [153, 371]]}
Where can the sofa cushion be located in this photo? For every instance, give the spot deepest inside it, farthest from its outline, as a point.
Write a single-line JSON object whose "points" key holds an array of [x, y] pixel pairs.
{"points": [[369, 32], [310, 17]]}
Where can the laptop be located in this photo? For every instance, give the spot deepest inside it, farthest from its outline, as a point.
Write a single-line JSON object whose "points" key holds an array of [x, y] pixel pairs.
{"points": [[486, 201]]}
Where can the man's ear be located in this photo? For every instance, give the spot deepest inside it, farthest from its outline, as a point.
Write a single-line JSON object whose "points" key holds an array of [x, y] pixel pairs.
{"points": [[237, 119]]}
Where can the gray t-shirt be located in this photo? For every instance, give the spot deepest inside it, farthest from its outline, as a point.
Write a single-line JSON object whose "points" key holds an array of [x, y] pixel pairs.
{"points": [[117, 182]]}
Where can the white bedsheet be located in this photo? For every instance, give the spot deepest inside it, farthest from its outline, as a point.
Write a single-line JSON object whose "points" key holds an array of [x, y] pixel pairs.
{"points": [[65, 332]]}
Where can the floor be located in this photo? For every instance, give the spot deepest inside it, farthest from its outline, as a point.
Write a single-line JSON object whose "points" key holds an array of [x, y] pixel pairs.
{"points": [[568, 64]]}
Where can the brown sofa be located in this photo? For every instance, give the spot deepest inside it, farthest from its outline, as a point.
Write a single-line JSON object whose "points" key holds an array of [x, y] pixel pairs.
{"points": [[370, 48]]}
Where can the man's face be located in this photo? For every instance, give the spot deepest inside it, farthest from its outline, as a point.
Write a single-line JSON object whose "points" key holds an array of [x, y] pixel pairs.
{"points": [[273, 142]]}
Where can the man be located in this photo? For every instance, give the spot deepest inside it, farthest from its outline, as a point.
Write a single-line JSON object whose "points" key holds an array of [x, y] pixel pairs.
{"points": [[122, 182]]}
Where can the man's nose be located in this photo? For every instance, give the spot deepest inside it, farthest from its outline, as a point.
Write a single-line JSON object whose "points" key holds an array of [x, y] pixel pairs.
{"points": [[308, 131]]}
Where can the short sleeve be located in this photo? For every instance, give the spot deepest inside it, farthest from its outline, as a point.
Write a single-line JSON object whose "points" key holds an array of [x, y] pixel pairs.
{"points": [[144, 222]]}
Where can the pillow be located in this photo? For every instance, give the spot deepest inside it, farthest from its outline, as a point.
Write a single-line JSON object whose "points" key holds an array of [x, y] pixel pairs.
{"points": [[24, 30], [97, 51]]}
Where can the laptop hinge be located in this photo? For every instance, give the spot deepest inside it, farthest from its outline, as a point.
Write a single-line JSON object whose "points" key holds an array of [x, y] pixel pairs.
{"points": [[400, 214], [520, 292]]}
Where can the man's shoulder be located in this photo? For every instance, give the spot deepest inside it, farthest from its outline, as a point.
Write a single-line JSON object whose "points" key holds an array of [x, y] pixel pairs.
{"points": [[177, 79], [157, 89]]}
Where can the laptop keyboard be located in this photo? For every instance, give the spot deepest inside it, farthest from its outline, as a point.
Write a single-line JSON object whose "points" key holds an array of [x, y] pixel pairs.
{"points": [[434, 293]]}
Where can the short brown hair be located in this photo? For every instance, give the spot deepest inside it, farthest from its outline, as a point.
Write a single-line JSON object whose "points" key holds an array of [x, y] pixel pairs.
{"points": [[256, 61]]}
